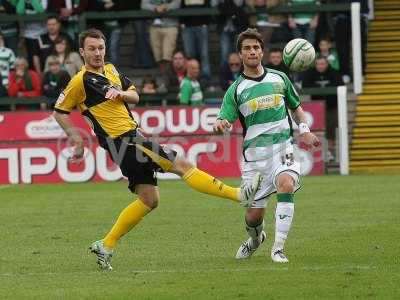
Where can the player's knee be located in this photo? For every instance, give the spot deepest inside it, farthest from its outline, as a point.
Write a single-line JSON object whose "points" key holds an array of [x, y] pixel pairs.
{"points": [[254, 216], [181, 166], [285, 184], [149, 196], [150, 200]]}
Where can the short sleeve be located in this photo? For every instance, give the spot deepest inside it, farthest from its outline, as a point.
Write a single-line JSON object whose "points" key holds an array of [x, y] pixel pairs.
{"points": [[72, 95], [126, 83], [229, 109], [291, 96]]}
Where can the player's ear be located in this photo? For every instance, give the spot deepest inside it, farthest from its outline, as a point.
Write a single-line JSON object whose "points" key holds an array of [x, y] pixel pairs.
{"points": [[81, 51]]}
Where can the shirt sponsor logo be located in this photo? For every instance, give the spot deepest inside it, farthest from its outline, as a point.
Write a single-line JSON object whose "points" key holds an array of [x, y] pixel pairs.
{"points": [[265, 102]]}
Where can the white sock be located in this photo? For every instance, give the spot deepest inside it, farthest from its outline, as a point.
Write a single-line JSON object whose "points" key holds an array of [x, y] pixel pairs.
{"points": [[283, 220], [254, 231]]}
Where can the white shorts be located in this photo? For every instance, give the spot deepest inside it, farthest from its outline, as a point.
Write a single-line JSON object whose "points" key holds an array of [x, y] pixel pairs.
{"points": [[282, 160]]}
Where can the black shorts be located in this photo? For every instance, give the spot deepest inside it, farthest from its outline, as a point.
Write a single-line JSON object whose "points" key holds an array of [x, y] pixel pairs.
{"points": [[139, 158]]}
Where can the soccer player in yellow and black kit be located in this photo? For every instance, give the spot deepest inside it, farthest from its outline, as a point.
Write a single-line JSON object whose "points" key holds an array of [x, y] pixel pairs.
{"points": [[101, 93]]}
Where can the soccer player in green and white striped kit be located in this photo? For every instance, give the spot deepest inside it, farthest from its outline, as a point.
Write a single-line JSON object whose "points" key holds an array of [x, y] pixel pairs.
{"points": [[261, 99]]}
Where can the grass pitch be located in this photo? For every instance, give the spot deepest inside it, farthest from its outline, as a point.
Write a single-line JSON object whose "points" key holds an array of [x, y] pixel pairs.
{"points": [[344, 244]]}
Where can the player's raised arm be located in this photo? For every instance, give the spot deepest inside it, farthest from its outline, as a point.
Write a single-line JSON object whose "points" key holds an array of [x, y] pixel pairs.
{"points": [[308, 138], [128, 93], [293, 102], [129, 96]]}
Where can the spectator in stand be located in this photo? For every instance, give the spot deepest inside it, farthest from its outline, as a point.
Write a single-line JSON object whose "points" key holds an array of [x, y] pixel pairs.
{"points": [[195, 37], [324, 76], [24, 82], [275, 61], [149, 85], [303, 25], [9, 29], [45, 42], [55, 80], [69, 10], [7, 60], [111, 27], [232, 20], [261, 20], [326, 50], [176, 71], [190, 92], [230, 71], [32, 30], [163, 31], [281, 33], [70, 61], [143, 57]]}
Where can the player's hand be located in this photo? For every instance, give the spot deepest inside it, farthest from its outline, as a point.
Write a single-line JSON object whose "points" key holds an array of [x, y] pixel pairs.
{"points": [[310, 140], [77, 155], [113, 93], [220, 126]]}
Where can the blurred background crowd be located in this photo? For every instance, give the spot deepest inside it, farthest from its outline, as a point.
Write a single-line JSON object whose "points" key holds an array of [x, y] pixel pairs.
{"points": [[187, 55]]}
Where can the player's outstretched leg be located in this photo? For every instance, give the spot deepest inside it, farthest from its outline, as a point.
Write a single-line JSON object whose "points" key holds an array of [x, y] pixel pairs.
{"points": [[205, 183], [283, 216], [256, 237], [129, 218]]}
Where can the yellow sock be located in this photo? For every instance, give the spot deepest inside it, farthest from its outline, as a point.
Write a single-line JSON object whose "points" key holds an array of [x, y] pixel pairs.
{"points": [[128, 218], [205, 183]]}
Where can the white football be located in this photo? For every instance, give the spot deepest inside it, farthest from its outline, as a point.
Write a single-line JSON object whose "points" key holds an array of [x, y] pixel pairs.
{"points": [[299, 55]]}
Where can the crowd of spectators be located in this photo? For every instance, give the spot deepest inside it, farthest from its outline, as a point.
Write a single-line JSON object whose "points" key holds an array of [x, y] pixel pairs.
{"points": [[40, 58]]}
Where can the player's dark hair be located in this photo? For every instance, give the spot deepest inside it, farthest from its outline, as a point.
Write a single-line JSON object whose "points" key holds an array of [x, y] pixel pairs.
{"points": [[93, 33], [249, 34]]}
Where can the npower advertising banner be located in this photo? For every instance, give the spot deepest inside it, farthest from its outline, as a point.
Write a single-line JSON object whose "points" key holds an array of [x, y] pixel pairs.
{"points": [[34, 149]]}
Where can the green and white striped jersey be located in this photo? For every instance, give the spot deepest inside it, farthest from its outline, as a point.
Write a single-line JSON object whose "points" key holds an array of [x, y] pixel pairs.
{"points": [[7, 60], [261, 106], [190, 92]]}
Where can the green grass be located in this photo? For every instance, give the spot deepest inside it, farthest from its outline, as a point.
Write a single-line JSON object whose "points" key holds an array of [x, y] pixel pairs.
{"points": [[344, 244]]}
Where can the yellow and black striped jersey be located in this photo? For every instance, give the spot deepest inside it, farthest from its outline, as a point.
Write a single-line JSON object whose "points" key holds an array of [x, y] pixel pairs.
{"points": [[87, 90]]}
